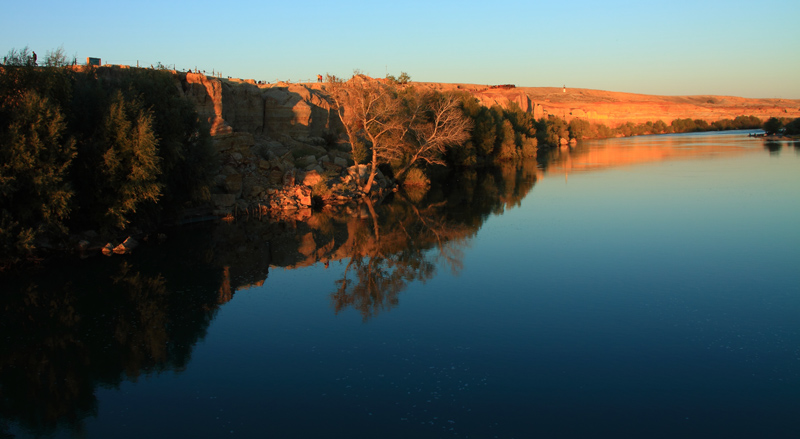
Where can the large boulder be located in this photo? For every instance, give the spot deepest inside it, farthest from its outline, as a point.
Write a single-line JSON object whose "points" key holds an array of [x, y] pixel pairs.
{"points": [[233, 184], [339, 161], [302, 162], [311, 178], [303, 195], [223, 201], [234, 142]]}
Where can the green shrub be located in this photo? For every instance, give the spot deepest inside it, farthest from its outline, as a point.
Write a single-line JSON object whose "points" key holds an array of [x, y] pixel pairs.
{"points": [[529, 146], [793, 127], [361, 152], [129, 164], [35, 155], [323, 188], [416, 177], [580, 129], [773, 125], [507, 145]]}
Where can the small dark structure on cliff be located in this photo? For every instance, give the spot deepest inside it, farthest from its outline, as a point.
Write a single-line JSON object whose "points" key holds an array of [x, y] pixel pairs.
{"points": [[502, 86]]}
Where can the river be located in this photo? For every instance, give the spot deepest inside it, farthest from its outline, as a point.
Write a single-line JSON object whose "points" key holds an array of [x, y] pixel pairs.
{"points": [[637, 287]]}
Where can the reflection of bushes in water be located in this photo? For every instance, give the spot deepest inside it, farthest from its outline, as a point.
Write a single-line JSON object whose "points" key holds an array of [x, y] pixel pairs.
{"points": [[476, 193], [773, 147], [43, 374], [61, 341]]}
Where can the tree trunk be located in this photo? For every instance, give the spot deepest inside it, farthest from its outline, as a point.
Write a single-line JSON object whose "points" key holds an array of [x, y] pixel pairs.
{"points": [[373, 170]]}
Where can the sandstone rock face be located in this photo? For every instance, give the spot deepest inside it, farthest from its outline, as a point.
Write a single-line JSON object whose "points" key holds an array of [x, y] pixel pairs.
{"points": [[207, 96], [504, 98], [234, 142], [294, 110], [243, 108]]}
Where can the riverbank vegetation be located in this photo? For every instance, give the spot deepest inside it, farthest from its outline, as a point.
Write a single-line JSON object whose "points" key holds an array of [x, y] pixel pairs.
{"points": [[81, 152], [782, 125], [126, 150]]}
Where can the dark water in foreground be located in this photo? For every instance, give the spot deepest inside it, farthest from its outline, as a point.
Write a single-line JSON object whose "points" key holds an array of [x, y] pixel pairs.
{"points": [[642, 287]]}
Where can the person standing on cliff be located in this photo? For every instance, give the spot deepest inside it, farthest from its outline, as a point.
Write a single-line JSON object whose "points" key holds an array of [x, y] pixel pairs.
{"points": [[319, 78]]}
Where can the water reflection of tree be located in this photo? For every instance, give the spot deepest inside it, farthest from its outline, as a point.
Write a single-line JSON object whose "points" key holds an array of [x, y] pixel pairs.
{"points": [[405, 240], [774, 148], [121, 320], [125, 317], [385, 256]]}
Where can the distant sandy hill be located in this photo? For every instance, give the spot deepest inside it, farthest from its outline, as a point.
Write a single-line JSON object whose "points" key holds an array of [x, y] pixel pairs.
{"points": [[615, 108]]}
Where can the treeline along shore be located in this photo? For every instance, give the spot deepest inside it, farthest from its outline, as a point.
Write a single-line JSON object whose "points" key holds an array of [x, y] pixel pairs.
{"points": [[90, 155]]}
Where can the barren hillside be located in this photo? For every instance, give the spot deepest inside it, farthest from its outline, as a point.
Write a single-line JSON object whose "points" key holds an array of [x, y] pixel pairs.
{"points": [[615, 108]]}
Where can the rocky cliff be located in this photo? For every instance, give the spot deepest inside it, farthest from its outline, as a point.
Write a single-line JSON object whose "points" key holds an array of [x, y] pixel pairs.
{"points": [[271, 136], [280, 110], [303, 111]]}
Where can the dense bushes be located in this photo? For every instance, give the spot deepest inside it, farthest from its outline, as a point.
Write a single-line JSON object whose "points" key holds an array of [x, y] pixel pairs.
{"points": [[93, 150], [500, 134], [582, 129], [793, 127], [35, 155], [497, 134], [785, 125]]}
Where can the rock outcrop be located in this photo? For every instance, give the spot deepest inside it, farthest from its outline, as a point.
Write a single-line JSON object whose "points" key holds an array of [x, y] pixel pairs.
{"points": [[269, 137], [295, 110]]}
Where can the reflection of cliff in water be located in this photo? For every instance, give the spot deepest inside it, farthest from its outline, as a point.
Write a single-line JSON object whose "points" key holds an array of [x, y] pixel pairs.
{"points": [[596, 155], [73, 326], [386, 245]]}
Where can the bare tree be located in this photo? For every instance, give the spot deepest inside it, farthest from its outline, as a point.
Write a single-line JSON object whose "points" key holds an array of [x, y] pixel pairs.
{"points": [[403, 129], [369, 111], [57, 58], [435, 123], [23, 57]]}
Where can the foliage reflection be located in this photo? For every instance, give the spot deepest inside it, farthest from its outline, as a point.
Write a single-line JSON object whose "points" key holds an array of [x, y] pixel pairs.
{"points": [[405, 240], [122, 318]]}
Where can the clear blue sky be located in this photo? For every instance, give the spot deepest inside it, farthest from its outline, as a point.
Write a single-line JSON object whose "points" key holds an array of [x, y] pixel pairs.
{"points": [[739, 48]]}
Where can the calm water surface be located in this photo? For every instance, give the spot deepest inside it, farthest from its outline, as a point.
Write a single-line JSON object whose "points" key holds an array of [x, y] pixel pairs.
{"points": [[641, 287]]}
